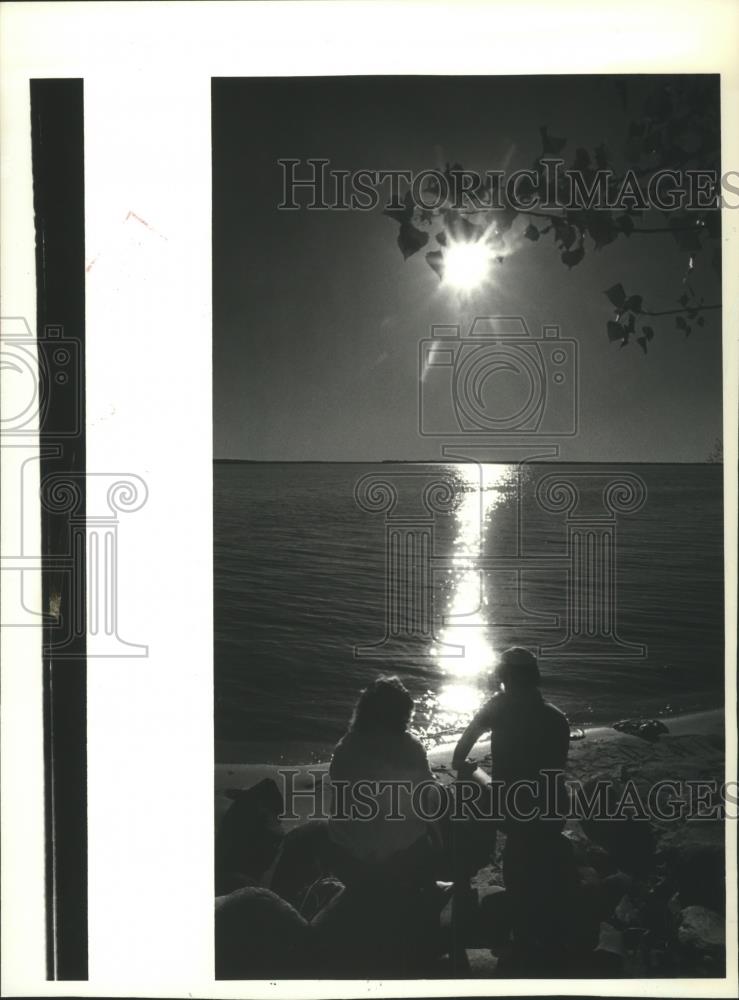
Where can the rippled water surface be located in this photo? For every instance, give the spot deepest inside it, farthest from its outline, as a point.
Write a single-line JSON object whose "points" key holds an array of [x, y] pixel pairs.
{"points": [[328, 574]]}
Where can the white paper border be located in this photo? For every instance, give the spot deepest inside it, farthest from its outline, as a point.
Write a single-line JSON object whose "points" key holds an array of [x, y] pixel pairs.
{"points": [[147, 69]]}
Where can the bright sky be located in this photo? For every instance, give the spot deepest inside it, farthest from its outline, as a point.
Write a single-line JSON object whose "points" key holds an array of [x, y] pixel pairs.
{"points": [[318, 320]]}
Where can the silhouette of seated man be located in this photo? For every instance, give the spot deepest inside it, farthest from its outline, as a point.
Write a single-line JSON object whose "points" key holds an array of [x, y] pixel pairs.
{"points": [[529, 746]]}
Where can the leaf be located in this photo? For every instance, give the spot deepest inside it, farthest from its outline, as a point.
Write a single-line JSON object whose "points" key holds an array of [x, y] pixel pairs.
{"points": [[435, 260], [683, 300], [633, 149], [410, 239], [504, 218], [616, 295], [526, 189], [686, 237], [564, 233], [404, 214], [615, 330], [432, 187], [648, 332], [642, 342], [629, 329], [601, 227], [573, 257], [601, 157], [582, 160], [531, 232], [680, 323], [550, 144], [441, 237], [633, 304]]}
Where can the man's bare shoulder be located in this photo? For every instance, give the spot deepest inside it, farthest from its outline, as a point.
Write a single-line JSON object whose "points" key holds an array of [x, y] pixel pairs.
{"points": [[492, 709]]}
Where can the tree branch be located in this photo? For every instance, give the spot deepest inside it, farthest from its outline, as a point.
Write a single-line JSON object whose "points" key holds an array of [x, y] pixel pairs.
{"points": [[677, 312]]}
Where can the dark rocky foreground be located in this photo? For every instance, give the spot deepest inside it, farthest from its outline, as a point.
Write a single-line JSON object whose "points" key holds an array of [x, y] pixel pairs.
{"points": [[649, 900]]}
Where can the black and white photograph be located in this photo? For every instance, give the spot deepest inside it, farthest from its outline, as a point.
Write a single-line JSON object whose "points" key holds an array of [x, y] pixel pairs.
{"points": [[369, 498], [468, 527]]}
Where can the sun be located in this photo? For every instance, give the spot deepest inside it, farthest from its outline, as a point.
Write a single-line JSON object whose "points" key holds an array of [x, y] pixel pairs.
{"points": [[467, 265]]}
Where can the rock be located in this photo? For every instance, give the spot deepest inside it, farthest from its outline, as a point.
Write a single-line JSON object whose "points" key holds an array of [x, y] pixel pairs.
{"points": [[482, 964], [658, 961], [626, 913], [370, 931], [701, 929], [490, 892], [260, 936], [589, 878], [634, 936], [303, 858], [249, 834], [610, 939], [616, 886], [608, 957], [699, 871], [675, 908], [599, 858], [655, 908], [629, 840], [647, 729], [494, 919], [661, 889], [587, 853], [319, 895]]}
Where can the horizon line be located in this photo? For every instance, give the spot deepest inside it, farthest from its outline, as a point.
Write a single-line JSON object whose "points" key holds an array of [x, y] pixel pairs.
{"points": [[443, 461]]}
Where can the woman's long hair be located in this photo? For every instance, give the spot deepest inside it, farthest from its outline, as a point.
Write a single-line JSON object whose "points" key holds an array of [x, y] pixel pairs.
{"points": [[384, 706]]}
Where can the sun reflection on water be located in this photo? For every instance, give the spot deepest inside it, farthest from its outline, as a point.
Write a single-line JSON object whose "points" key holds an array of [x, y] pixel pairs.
{"points": [[464, 653]]}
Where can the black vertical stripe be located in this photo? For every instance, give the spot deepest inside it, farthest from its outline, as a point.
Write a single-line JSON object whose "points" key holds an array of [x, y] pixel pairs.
{"points": [[57, 134]]}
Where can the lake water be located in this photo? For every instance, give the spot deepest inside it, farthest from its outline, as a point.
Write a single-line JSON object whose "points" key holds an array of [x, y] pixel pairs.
{"points": [[320, 586]]}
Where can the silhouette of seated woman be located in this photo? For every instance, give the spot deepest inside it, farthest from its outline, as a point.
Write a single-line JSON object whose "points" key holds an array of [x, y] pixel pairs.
{"points": [[381, 775]]}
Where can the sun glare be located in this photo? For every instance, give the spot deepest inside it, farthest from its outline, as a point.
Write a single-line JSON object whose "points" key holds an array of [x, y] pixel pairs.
{"points": [[467, 265], [466, 653]]}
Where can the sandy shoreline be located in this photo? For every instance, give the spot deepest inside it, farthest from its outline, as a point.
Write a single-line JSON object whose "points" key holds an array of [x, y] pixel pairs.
{"points": [[692, 750], [667, 877]]}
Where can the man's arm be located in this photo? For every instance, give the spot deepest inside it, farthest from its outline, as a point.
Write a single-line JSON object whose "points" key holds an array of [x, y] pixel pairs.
{"points": [[477, 728]]}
